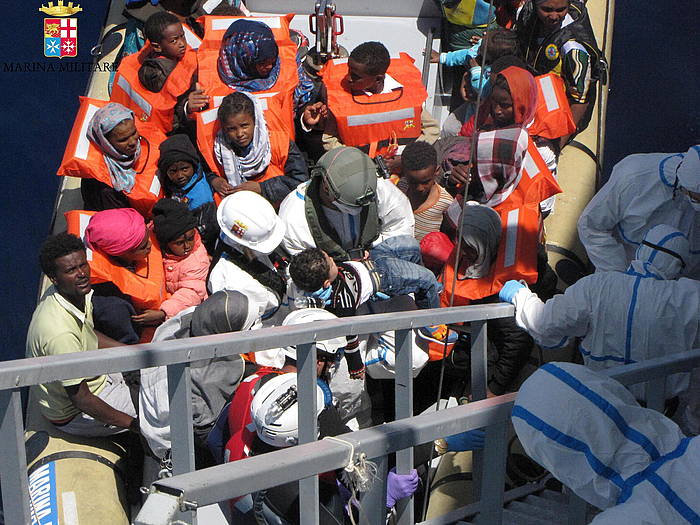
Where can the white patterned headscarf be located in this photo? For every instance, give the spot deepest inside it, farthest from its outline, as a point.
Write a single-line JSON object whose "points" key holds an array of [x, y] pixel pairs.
{"points": [[256, 160], [121, 167]]}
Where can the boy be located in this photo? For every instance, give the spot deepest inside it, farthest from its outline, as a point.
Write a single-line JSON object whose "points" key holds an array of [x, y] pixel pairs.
{"points": [[345, 286], [429, 200], [151, 82]]}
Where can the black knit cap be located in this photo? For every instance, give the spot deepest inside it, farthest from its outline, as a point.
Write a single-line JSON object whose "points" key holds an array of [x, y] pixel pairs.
{"points": [[176, 148], [171, 219]]}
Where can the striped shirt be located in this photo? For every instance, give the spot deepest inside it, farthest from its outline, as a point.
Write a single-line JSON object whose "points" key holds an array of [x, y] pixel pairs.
{"points": [[429, 215]]}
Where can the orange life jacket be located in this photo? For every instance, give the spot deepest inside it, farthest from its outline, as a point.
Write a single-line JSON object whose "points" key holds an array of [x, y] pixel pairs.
{"points": [[145, 285], [155, 108], [208, 126], [83, 159], [279, 99], [377, 123], [553, 117]]}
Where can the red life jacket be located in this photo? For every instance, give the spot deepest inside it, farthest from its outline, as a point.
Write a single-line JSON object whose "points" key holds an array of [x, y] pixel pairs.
{"points": [[240, 422], [83, 159], [145, 285], [553, 117], [378, 122], [155, 108], [280, 97]]}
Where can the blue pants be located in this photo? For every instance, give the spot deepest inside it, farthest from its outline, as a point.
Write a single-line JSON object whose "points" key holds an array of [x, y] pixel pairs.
{"points": [[400, 269]]}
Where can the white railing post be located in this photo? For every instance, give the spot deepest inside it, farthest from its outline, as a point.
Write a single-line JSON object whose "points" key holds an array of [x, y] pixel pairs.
{"points": [[308, 428], [403, 387], [13, 459], [493, 478], [479, 375]]}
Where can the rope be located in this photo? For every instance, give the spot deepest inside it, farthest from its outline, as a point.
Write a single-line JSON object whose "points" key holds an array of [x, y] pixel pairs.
{"points": [[460, 227]]}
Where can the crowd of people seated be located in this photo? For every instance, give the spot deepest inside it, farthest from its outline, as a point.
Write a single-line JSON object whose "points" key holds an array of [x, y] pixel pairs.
{"points": [[227, 186]]}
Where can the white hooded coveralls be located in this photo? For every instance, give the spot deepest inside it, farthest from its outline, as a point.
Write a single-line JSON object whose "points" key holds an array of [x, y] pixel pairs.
{"points": [[623, 317], [394, 208], [589, 432], [643, 191]]}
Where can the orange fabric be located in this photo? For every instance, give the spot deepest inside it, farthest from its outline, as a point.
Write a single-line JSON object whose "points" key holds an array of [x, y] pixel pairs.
{"points": [[155, 108], [83, 159], [280, 98], [145, 286], [207, 128], [553, 117], [378, 121], [523, 91]]}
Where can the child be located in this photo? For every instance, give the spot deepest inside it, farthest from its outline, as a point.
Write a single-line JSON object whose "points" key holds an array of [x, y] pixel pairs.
{"points": [[151, 82], [347, 285], [185, 260], [429, 200], [252, 157], [182, 174]]}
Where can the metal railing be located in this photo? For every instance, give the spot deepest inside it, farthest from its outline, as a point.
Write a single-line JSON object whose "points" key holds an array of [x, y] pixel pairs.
{"points": [[223, 482], [177, 356]]}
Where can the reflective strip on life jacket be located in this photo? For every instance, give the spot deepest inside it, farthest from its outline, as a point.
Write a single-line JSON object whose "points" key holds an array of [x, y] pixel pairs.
{"points": [[157, 109], [280, 97], [145, 285], [553, 117], [83, 159], [192, 39], [381, 121]]}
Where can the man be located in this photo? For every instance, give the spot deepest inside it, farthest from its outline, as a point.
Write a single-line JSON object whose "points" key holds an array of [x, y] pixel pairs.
{"points": [[626, 317], [375, 103], [344, 209], [644, 190], [62, 324], [556, 35], [588, 431]]}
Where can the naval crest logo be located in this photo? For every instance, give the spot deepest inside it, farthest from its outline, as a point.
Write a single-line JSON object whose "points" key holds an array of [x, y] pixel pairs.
{"points": [[60, 34]]}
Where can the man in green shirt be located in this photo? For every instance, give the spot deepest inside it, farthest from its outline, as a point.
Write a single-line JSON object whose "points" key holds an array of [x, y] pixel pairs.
{"points": [[62, 323]]}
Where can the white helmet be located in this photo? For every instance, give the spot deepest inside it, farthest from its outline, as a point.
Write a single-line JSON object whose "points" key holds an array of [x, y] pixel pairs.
{"points": [[275, 411], [248, 219], [309, 315]]}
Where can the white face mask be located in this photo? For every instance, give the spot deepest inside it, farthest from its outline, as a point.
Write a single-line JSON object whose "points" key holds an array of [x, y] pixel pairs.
{"points": [[350, 210]]}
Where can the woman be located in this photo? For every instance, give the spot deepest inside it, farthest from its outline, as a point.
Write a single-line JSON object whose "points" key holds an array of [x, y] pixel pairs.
{"points": [[120, 181], [249, 61], [127, 269]]}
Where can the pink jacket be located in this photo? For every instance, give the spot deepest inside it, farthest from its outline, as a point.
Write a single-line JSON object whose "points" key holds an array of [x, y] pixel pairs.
{"points": [[185, 278]]}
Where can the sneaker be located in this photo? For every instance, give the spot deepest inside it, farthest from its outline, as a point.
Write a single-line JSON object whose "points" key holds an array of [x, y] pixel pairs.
{"points": [[438, 333]]}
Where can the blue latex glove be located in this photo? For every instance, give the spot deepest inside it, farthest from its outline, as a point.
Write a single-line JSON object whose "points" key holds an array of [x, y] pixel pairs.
{"points": [[509, 290], [324, 294], [130, 3], [399, 486], [469, 440]]}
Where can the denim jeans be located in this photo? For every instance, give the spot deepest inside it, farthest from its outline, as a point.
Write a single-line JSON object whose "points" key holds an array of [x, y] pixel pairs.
{"points": [[400, 269]]}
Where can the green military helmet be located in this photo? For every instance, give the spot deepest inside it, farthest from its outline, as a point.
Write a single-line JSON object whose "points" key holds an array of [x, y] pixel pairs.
{"points": [[350, 176]]}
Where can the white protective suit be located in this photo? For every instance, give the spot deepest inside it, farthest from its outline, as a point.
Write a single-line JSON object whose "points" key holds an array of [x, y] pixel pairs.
{"points": [[643, 191], [624, 317], [588, 431], [395, 216]]}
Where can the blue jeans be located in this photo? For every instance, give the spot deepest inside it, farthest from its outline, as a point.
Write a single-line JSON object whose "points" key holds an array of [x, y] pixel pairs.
{"points": [[398, 262]]}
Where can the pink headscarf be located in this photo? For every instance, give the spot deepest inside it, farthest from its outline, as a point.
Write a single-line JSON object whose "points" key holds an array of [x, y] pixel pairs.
{"points": [[115, 232]]}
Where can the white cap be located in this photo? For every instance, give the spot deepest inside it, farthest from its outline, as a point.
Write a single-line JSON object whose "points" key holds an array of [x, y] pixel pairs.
{"points": [[248, 219], [275, 410], [309, 315]]}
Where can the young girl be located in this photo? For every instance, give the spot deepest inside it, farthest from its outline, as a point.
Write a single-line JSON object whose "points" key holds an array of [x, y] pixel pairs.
{"points": [[252, 157], [185, 259]]}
